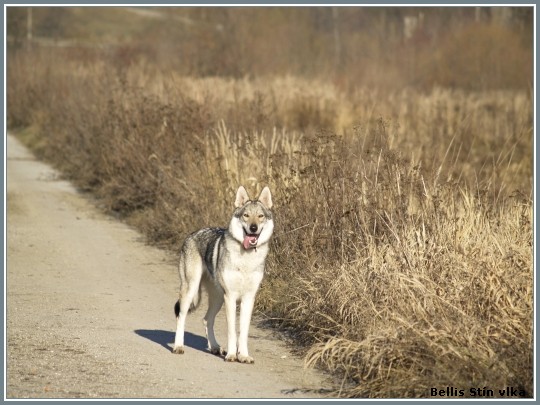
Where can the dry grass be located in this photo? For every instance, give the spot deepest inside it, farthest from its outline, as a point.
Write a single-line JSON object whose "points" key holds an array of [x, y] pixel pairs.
{"points": [[402, 258]]}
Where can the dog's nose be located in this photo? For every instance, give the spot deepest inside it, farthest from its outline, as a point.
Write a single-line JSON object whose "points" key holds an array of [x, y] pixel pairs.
{"points": [[253, 228]]}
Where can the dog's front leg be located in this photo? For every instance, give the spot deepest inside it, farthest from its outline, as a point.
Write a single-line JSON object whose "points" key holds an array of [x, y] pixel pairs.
{"points": [[246, 308], [230, 312]]}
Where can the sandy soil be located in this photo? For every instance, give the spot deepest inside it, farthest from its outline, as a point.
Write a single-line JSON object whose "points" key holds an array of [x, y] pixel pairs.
{"points": [[90, 309]]}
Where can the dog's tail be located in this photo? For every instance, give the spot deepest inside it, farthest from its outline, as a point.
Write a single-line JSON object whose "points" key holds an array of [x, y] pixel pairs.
{"points": [[192, 307], [177, 308]]}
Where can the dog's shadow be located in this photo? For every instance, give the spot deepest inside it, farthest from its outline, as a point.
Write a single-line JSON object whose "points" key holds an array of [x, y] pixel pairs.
{"points": [[166, 339]]}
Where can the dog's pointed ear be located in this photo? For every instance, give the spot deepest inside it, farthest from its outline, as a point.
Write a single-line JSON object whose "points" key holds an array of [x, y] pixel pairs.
{"points": [[242, 197], [266, 198]]}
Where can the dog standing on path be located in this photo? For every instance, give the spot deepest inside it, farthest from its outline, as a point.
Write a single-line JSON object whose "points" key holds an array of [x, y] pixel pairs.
{"points": [[230, 264]]}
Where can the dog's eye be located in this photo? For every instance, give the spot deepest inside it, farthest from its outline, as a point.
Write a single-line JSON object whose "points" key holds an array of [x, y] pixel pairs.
{"points": [[261, 216], [246, 215]]}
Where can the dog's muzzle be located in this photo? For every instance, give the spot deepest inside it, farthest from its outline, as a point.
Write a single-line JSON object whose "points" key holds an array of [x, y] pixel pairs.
{"points": [[250, 241], [251, 238]]}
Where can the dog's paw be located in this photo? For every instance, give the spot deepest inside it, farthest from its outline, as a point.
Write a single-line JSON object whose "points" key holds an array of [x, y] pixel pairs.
{"points": [[230, 357], [218, 351], [245, 359], [178, 350]]}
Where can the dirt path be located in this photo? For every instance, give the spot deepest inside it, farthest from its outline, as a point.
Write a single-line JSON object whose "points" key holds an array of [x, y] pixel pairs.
{"points": [[90, 308]]}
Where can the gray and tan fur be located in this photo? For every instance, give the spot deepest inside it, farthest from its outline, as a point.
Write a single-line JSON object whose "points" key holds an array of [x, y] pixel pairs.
{"points": [[229, 263]]}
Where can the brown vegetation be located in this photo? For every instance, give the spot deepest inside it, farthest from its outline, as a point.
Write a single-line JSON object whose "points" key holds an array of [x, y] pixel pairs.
{"points": [[402, 258], [474, 48]]}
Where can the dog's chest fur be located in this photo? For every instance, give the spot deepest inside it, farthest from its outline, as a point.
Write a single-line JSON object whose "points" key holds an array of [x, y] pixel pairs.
{"points": [[242, 270]]}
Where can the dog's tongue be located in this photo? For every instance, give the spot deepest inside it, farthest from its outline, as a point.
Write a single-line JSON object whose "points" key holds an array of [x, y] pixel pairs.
{"points": [[250, 241]]}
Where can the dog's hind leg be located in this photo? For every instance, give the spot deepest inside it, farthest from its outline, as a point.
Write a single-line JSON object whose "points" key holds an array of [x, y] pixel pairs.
{"points": [[184, 305], [180, 324], [215, 302], [190, 275]]}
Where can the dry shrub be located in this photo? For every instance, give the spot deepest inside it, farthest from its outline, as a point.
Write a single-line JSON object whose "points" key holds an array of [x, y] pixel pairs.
{"points": [[402, 258], [401, 283]]}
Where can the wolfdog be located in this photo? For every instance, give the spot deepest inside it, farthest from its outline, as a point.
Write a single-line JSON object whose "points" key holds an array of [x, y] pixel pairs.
{"points": [[229, 263]]}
